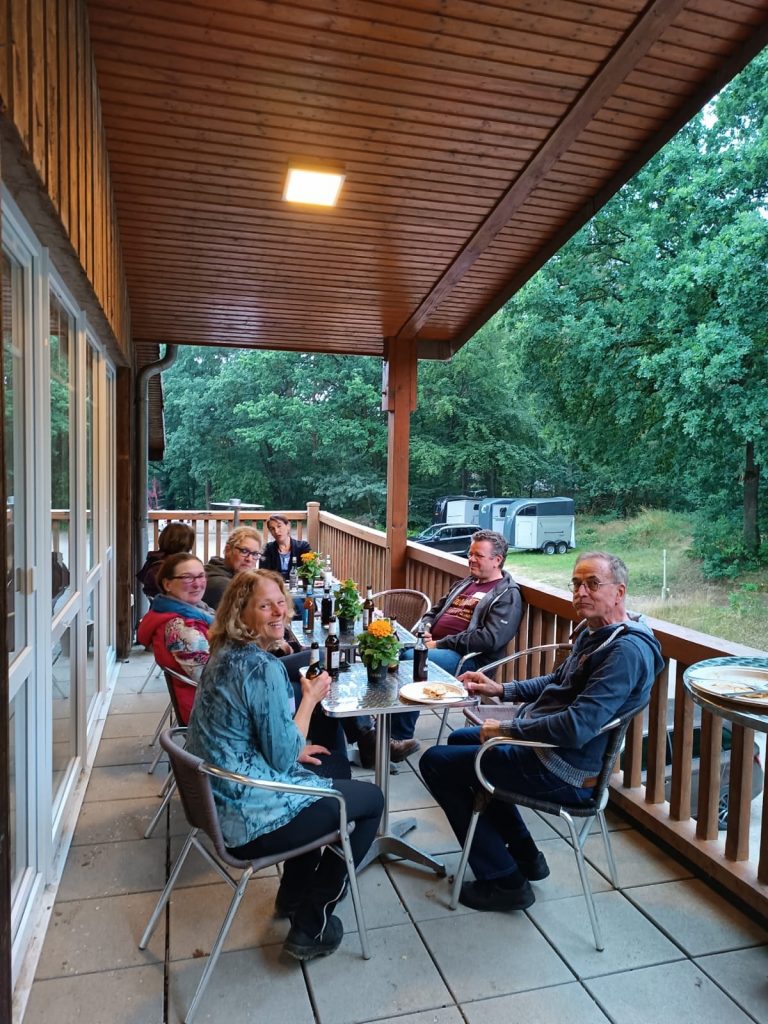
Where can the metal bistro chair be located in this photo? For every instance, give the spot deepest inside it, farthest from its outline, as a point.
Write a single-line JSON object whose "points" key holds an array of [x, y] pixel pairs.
{"points": [[594, 808], [193, 777], [169, 786], [407, 606]]}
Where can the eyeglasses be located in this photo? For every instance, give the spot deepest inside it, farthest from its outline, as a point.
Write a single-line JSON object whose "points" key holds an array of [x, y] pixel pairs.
{"points": [[188, 578], [246, 552], [591, 584]]}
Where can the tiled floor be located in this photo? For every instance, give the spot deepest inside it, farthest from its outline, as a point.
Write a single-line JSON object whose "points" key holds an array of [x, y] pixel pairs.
{"points": [[675, 951]]}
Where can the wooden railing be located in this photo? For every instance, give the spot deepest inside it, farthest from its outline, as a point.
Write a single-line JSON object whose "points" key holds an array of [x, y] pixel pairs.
{"points": [[638, 789], [213, 528]]}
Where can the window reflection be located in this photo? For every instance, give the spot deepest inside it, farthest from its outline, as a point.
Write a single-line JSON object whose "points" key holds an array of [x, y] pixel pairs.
{"points": [[61, 343], [13, 370]]}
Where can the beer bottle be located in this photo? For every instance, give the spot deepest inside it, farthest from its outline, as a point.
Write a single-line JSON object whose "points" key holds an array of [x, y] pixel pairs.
{"points": [[395, 664], [314, 661], [327, 573], [332, 653], [368, 607], [326, 605], [293, 576], [420, 655], [308, 613]]}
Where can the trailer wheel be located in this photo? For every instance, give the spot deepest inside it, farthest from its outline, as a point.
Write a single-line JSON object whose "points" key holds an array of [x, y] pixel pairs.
{"points": [[562, 548], [549, 548]]}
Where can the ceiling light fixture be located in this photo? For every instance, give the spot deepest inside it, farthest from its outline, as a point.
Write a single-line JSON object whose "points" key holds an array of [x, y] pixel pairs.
{"points": [[318, 186]]}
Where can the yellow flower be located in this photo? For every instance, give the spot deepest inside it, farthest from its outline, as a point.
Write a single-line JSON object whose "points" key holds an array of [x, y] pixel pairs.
{"points": [[380, 627], [309, 556]]}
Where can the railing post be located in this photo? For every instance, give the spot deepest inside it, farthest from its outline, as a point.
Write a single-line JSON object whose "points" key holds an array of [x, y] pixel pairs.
{"points": [[398, 400], [313, 524]]}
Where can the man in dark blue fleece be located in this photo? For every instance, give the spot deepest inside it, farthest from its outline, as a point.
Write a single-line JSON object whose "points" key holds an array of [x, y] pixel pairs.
{"points": [[609, 672]]}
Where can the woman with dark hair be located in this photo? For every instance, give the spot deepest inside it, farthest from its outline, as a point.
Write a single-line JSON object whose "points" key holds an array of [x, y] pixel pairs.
{"points": [[279, 553], [174, 539], [176, 626], [242, 721]]}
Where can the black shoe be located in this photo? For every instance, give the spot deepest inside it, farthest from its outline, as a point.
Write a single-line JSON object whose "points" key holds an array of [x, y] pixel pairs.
{"points": [[366, 748], [489, 895], [302, 946], [400, 749], [536, 869]]}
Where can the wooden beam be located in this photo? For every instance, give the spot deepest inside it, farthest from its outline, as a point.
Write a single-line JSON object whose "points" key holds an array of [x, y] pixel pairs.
{"points": [[125, 569], [646, 31], [398, 401]]}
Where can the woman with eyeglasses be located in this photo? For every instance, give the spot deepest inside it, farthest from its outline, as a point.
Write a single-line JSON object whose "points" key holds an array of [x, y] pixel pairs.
{"points": [[176, 626], [242, 551], [244, 721]]}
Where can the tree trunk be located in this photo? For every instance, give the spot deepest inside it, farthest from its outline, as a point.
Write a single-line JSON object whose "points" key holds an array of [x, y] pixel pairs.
{"points": [[751, 488]]}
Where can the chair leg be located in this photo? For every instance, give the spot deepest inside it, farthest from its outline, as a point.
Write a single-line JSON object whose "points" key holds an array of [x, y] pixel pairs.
{"points": [[354, 892], [443, 723], [461, 869], [166, 893], [167, 716], [159, 813], [608, 849], [153, 670], [578, 840], [216, 948]]}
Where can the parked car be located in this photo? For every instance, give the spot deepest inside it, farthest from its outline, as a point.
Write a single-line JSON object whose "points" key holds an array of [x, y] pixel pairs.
{"points": [[725, 765], [454, 538]]}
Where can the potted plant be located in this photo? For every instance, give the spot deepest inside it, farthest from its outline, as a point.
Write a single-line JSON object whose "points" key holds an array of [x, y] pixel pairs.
{"points": [[310, 568], [378, 648], [348, 605]]}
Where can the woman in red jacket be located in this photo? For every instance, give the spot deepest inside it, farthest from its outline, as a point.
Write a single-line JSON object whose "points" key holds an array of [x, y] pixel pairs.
{"points": [[176, 626]]}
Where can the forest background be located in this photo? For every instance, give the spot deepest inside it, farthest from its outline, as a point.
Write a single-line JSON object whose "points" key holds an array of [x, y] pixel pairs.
{"points": [[631, 372]]}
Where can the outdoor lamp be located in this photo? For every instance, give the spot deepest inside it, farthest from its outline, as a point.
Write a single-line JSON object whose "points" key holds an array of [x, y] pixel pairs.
{"points": [[319, 186]]}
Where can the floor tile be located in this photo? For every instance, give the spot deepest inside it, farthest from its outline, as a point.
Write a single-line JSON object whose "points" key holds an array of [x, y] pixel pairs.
{"points": [[564, 879], [125, 750], [130, 996], [432, 832], [744, 976], [149, 702], [438, 1015], [196, 869], [424, 894], [135, 682], [252, 986], [100, 935], [408, 792], [399, 978], [553, 1005], [123, 782], [129, 725], [111, 821], [111, 869], [696, 918], [382, 906], [517, 954], [631, 941], [671, 992], [638, 861]]}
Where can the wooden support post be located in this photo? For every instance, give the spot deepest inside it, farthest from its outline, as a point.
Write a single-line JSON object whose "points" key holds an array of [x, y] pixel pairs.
{"points": [[313, 524], [398, 400], [124, 479]]}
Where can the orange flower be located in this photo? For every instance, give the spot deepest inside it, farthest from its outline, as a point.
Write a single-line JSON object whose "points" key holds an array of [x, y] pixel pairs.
{"points": [[380, 627], [309, 556]]}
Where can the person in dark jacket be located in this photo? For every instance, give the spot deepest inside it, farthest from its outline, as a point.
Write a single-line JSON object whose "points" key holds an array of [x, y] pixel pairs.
{"points": [[175, 538], [279, 553], [242, 551], [479, 614], [609, 673]]}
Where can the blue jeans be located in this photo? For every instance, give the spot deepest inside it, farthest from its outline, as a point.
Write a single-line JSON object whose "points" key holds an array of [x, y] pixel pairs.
{"points": [[404, 726], [449, 773]]}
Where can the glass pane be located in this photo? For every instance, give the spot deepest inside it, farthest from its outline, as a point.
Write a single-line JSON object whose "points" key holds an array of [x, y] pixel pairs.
{"points": [[62, 342], [90, 647], [13, 370], [90, 365], [19, 797], [63, 657]]}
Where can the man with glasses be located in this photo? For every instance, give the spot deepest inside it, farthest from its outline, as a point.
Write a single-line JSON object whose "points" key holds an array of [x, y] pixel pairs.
{"points": [[480, 614], [608, 674], [242, 551]]}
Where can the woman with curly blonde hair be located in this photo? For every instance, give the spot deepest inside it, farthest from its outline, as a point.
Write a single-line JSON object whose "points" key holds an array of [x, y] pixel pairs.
{"points": [[242, 721]]}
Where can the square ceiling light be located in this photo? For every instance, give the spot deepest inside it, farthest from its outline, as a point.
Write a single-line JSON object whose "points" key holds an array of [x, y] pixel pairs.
{"points": [[317, 186]]}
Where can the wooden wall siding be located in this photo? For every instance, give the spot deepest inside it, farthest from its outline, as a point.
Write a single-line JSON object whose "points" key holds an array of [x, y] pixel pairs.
{"points": [[49, 92], [475, 136]]}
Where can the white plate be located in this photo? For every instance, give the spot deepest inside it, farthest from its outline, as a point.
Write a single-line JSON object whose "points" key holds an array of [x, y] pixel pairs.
{"points": [[415, 692], [743, 684]]}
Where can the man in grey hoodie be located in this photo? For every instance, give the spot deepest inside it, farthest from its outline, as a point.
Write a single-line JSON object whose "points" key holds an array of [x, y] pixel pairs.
{"points": [[609, 673]]}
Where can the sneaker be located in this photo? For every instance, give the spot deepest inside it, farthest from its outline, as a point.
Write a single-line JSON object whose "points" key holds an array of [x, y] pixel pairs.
{"points": [[536, 869], [489, 895], [400, 749], [302, 946], [366, 748]]}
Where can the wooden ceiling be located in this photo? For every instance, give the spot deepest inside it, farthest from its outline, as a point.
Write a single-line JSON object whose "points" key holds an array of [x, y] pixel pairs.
{"points": [[476, 137]]}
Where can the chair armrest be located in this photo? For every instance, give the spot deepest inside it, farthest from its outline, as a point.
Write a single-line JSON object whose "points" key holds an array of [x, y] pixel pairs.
{"points": [[497, 741], [180, 676]]}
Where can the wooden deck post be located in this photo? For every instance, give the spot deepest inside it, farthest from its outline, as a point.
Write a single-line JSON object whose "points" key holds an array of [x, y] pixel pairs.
{"points": [[398, 400], [313, 524]]}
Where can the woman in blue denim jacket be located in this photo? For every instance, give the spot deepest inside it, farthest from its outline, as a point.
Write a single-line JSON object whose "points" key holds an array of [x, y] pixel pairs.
{"points": [[242, 722]]}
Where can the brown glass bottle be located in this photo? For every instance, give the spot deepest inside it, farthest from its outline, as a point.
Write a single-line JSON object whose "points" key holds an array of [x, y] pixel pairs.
{"points": [[332, 652], [315, 668], [368, 607], [420, 656], [308, 614]]}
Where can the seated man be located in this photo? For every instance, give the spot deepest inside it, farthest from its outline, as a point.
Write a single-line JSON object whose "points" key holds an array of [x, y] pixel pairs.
{"points": [[480, 613], [609, 672]]}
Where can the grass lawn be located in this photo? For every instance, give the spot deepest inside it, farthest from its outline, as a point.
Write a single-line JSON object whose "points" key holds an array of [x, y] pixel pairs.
{"points": [[736, 609]]}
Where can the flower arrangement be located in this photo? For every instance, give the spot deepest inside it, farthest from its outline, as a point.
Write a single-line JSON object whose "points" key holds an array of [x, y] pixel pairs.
{"points": [[311, 566], [378, 645], [348, 603]]}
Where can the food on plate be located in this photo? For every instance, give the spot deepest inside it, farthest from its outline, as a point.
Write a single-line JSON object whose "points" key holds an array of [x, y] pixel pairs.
{"points": [[435, 691]]}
